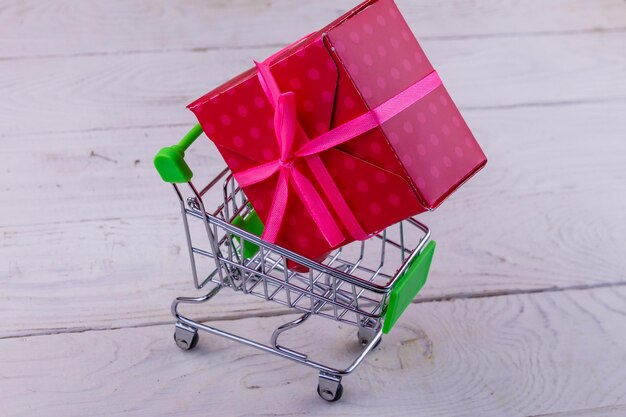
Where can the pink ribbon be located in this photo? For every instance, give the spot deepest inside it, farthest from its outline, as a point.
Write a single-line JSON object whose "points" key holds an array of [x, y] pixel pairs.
{"points": [[286, 126]]}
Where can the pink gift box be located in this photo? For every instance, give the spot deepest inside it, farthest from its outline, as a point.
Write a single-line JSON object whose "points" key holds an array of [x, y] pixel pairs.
{"points": [[361, 65]]}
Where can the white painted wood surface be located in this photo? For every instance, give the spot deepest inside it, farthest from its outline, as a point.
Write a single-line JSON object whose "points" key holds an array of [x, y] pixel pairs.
{"points": [[501, 356], [92, 252], [36, 28], [150, 89]]}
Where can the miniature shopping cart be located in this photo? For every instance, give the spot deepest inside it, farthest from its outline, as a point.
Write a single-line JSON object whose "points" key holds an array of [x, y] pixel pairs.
{"points": [[365, 284]]}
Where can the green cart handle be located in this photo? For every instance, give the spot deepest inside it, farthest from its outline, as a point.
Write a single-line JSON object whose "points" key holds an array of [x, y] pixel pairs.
{"points": [[170, 162]]}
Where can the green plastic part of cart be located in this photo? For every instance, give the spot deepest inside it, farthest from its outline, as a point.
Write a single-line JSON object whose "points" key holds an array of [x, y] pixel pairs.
{"points": [[251, 223], [170, 162], [408, 285]]}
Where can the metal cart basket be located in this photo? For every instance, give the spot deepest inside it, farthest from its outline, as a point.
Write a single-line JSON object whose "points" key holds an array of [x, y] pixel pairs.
{"points": [[365, 284]]}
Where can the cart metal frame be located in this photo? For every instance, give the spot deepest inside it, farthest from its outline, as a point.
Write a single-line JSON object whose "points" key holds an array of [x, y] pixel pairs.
{"points": [[341, 288]]}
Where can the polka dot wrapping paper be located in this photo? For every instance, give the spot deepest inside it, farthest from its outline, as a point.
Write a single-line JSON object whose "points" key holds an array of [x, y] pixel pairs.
{"points": [[405, 166]]}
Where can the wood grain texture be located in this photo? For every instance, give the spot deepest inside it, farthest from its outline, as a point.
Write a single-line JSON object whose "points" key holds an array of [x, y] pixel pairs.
{"points": [[141, 90], [568, 150], [101, 274], [92, 250], [502, 356], [553, 192], [73, 27]]}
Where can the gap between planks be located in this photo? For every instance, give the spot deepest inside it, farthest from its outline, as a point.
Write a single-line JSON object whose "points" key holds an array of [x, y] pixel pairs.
{"points": [[284, 312], [513, 357], [140, 91], [435, 38], [35, 27], [522, 105]]}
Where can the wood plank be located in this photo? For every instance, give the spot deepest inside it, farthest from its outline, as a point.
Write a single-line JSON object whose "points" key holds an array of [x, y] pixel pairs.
{"points": [[101, 274], [122, 91], [50, 171], [502, 356], [71, 27], [103, 170], [548, 211]]}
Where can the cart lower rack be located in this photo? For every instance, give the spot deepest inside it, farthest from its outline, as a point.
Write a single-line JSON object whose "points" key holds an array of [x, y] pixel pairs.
{"points": [[365, 284]]}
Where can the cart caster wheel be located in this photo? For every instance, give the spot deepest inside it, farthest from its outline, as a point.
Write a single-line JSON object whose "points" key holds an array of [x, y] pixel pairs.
{"points": [[329, 387], [330, 396], [181, 343], [186, 338]]}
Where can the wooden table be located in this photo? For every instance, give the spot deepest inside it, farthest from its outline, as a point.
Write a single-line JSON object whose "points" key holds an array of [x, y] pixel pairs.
{"points": [[525, 311]]}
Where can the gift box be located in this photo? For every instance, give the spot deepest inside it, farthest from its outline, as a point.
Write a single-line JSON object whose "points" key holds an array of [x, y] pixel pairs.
{"points": [[342, 133]]}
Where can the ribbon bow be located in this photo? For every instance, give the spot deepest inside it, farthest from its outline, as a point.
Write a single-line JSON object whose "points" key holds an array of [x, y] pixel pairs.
{"points": [[286, 126]]}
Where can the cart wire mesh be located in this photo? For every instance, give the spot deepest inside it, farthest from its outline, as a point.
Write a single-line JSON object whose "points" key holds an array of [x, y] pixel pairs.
{"points": [[351, 285]]}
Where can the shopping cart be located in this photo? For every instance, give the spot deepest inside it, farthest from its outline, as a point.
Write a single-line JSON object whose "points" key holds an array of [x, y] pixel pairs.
{"points": [[365, 284]]}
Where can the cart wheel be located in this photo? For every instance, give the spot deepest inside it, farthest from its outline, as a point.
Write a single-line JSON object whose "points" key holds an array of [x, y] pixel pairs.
{"points": [[181, 343], [186, 338], [329, 387], [330, 396]]}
